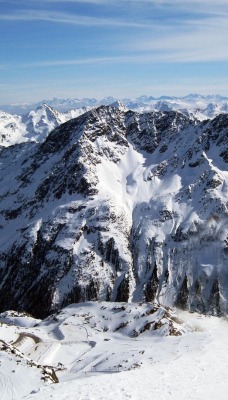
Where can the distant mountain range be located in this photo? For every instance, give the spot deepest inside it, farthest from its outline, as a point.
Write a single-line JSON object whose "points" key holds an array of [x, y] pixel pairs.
{"points": [[35, 124], [141, 103]]}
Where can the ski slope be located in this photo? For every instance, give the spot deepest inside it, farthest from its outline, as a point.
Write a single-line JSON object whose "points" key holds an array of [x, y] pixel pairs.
{"points": [[96, 356]]}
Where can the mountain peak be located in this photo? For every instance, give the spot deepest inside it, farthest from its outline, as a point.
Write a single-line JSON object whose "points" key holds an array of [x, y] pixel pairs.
{"points": [[119, 104], [118, 206]]}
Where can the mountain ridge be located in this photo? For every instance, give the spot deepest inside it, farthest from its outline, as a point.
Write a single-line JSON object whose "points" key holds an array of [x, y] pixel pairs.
{"points": [[145, 102], [117, 205], [41, 118]]}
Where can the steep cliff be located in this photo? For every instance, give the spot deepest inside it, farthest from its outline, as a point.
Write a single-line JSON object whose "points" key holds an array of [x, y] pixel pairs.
{"points": [[116, 205]]}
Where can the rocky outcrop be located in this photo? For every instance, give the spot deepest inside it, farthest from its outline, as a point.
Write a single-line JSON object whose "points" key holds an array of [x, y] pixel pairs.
{"points": [[118, 206]]}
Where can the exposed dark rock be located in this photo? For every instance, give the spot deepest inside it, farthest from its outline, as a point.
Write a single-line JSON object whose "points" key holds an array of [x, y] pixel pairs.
{"points": [[215, 298], [183, 295], [123, 291], [115, 206], [152, 285], [224, 155]]}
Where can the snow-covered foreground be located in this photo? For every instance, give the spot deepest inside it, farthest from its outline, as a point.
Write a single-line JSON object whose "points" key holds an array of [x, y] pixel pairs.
{"points": [[103, 351]]}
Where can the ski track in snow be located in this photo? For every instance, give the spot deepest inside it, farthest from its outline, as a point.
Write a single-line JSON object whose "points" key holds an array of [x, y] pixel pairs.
{"points": [[193, 367], [107, 365], [7, 387]]}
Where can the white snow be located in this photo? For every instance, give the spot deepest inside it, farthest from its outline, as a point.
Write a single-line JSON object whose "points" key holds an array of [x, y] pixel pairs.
{"points": [[94, 361], [34, 126], [43, 117]]}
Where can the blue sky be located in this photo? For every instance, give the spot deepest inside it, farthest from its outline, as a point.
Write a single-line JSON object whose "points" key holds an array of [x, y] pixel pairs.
{"points": [[123, 48]]}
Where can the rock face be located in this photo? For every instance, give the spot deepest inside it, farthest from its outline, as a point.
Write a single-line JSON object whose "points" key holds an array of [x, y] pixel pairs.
{"points": [[35, 121], [117, 206]]}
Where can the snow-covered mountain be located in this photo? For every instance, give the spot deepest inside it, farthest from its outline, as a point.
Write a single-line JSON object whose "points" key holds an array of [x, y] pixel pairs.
{"points": [[12, 129], [42, 118], [33, 126], [191, 102], [120, 206]]}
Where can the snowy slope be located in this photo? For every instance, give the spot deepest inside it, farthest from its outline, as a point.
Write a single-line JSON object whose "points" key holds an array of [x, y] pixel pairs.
{"points": [[33, 126], [191, 366], [79, 339], [19, 375], [119, 206], [12, 129], [95, 353]]}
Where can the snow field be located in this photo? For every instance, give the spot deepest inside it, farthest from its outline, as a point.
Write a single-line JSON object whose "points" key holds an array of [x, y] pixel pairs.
{"points": [[193, 366], [96, 357]]}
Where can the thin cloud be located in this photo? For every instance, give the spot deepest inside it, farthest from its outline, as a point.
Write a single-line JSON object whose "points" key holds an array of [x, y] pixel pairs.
{"points": [[206, 6], [178, 55], [78, 1], [84, 61], [188, 41], [190, 4], [164, 3], [65, 18]]}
